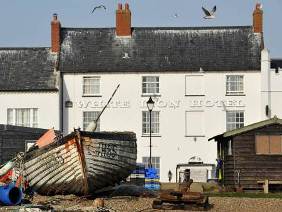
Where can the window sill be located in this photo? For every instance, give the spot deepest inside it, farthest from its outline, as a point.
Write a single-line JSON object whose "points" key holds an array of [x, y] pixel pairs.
{"points": [[148, 95], [151, 136], [96, 95], [235, 94], [195, 95]]}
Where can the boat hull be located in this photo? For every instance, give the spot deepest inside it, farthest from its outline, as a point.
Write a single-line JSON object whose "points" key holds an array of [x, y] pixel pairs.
{"points": [[81, 163]]}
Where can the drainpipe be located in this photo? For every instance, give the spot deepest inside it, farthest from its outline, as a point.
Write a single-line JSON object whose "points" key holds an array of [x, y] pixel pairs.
{"points": [[61, 102], [60, 85], [265, 84]]}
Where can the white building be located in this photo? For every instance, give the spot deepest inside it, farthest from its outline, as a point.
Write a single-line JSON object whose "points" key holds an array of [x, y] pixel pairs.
{"points": [[271, 86], [28, 88], [204, 80]]}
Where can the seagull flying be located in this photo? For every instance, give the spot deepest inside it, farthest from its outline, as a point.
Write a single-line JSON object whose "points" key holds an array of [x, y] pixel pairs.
{"points": [[209, 14], [175, 15], [98, 7]]}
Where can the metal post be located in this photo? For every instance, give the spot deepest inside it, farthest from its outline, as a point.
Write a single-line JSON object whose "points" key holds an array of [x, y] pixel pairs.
{"points": [[150, 162], [150, 105]]}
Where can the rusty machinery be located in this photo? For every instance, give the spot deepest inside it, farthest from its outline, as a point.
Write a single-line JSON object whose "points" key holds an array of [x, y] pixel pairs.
{"points": [[182, 198]]}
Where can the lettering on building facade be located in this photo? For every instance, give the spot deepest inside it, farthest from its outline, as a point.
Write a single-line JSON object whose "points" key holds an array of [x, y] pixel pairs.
{"points": [[159, 103], [102, 103], [216, 103]]}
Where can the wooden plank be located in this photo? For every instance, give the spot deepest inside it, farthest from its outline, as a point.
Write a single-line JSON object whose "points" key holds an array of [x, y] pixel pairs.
{"points": [[275, 144], [262, 144]]}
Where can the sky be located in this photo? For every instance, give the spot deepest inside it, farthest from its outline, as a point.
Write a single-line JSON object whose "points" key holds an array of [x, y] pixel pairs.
{"points": [[26, 23]]}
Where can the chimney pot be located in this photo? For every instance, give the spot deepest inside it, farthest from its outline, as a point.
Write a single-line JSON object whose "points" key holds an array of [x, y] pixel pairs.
{"points": [[120, 6], [258, 5], [55, 16], [126, 6]]}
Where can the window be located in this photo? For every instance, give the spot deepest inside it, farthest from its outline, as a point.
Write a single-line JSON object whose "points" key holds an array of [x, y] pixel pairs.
{"points": [[194, 125], [155, 122], [10, 116], [89, 116], [234, 120], [91, 86], [268, 144], [35, 118], [155, 163], [234, 85], [25, 117], [150, 85], [194, 85]]}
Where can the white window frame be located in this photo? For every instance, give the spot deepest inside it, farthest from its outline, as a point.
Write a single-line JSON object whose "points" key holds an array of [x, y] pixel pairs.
{"points": [[237, 82], [155, 122], [12, 117], [237, 120], [91, 90], [156, 163], [154, 85], [83, 119]]}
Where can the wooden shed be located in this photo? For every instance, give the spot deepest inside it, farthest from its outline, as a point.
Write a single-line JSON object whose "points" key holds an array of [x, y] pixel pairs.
{"points": [[251, 155], [14, 139]]}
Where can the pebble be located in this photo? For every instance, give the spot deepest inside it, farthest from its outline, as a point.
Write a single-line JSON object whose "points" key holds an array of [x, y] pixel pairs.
{"points": [[137, 204]]}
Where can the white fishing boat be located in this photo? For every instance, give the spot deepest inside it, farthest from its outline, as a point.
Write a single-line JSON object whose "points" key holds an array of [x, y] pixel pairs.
{"points": [[81, 163]]}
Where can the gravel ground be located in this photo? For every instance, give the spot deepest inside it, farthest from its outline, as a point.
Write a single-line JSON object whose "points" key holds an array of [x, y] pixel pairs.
{"points": [[135, 204]]}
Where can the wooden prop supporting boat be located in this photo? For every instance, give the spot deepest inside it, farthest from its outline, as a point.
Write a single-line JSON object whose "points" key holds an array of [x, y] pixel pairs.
{"points": [[81, 163]]}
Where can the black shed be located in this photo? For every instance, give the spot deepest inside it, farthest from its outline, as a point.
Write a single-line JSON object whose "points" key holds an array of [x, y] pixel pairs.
{"points": [[251, 155], [14, 139]]}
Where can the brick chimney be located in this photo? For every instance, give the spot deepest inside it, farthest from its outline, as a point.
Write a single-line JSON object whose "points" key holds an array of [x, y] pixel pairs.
{"points": [[123, 21], [258, 19], [55, 34]]}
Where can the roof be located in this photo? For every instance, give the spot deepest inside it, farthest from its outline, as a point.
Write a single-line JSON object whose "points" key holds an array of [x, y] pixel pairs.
{"points": [[276, 63], [229, 48], [4, 127], [247, 128], [27, 69]]}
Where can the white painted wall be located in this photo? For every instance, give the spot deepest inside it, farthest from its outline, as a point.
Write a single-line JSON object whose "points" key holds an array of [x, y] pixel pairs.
{"points": [[271, 87], [173, 146], [47, 104]]}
